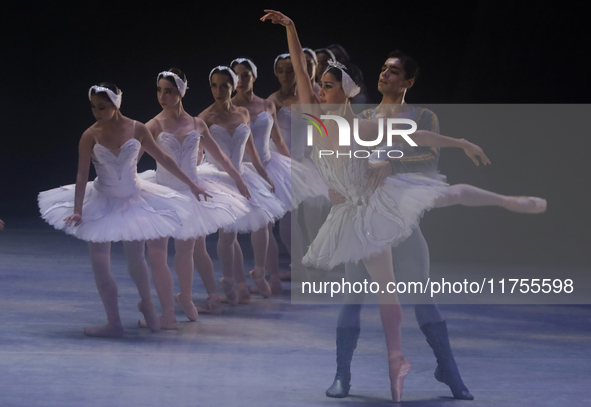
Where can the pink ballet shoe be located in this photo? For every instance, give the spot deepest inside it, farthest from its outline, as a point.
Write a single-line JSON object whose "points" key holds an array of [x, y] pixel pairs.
{"points": [[258, 276], [211, 306], [399, 368], [188, 308], [231, 296], [275, 284], [526, 204], [150, 321]]}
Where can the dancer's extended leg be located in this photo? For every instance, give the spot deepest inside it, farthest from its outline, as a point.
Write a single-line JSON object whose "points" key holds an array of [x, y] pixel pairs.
{"points": [[468, 195], [380, 269]]}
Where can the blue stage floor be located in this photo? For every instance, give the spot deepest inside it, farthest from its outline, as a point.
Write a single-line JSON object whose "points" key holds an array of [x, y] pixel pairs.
{"points": [[269, 353]]}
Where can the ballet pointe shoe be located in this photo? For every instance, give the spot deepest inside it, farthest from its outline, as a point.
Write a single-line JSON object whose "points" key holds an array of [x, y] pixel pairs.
{"points": [[243, 293], [346, 344], [188, 308], [275, 284], [229, 291], [150, 321], [398, 367], [525, 204], [447, 371], [105, 331], [258, 276], [211, 306]]}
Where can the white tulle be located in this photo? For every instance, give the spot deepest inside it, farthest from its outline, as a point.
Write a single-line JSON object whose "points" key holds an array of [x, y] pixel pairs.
{"points": [[207, 216], [117, 205], [264, 207], [290, 177], [368, 222]]}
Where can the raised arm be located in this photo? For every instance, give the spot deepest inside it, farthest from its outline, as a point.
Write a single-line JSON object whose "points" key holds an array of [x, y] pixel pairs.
{"points": [[84, 152], [296, 53], [149, 144]]}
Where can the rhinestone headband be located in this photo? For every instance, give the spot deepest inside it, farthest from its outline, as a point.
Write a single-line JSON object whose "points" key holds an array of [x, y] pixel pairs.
{"points": [[115, 98], [349, 87], [228, 69], [253, 67], [180, 84], [280, 57]]}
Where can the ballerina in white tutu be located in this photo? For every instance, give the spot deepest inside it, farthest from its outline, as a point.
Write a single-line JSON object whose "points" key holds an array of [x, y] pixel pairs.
{"points": [[313, 210], [230, 127], [289, 177], [180, 135], [117, 206], [370, 222]]}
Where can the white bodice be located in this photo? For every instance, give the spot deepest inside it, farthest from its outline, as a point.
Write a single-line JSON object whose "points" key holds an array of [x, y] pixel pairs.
{"points": [[117, 174], [185, 154], [233, 145], [261, 134]]}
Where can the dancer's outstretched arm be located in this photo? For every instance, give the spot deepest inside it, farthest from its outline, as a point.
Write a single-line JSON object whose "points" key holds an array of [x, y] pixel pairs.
{"points": [[255, 159], [216, 152], [149, 144]]}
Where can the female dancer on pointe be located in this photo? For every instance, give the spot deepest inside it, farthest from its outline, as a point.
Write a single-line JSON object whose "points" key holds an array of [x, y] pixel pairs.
{"points": [[117, 206], [370, 222], [411, 258], [289, 177], [312, 209], [179, 134], [230, 128]]}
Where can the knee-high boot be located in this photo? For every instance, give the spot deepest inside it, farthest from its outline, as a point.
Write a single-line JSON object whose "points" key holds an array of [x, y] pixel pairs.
{"points": [[346, 344]]}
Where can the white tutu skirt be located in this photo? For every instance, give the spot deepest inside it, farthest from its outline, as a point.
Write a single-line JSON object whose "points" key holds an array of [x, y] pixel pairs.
{"points": [[319, 198], [263, 206], [152, 212], [206, 217], [293, 181], [353, 232]]}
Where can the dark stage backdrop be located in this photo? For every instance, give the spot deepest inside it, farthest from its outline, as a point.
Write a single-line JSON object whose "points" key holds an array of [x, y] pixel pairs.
{"points": [[469, 52]]}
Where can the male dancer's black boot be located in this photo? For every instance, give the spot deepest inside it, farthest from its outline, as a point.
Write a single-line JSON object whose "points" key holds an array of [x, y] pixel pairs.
{"points": [[447, 370], [346, 344]]}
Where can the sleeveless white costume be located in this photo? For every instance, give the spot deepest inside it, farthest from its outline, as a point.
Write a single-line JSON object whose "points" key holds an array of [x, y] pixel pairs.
{"points": [[117, 205], [367, 223], [263, 206], [220, 211], [289, 176]]}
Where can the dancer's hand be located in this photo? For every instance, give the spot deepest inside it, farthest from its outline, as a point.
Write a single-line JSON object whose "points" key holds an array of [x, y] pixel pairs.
{"points": [[75, 219], [377, 173], [1, 224], [270, 183], [335, 197], [242, 188], [277, 17], [473, 151], [197, 190]]}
